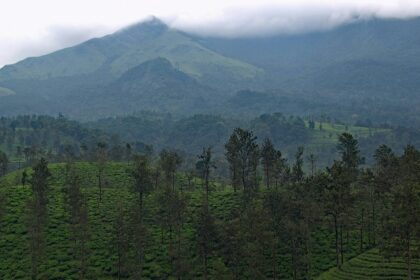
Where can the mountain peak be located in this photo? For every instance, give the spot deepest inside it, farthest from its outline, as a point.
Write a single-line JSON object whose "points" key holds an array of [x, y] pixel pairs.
{"points": [[153, 20], [151, 24]]}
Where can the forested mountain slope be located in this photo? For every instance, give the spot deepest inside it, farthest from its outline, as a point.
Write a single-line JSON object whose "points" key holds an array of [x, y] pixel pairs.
{"points": [[369, 66]]}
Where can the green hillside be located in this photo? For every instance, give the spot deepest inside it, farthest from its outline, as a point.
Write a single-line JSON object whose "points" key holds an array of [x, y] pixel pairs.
{"points": [[110, 212], [59, 264], [116, 53], [371, 266]]}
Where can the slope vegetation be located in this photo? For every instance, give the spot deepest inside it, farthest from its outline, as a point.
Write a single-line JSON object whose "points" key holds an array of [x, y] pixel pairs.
{"points": [[102, 263], [371, 266]]}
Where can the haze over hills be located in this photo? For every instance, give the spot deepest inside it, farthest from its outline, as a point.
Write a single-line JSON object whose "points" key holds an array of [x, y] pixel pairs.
{"points": [[369, 66]]}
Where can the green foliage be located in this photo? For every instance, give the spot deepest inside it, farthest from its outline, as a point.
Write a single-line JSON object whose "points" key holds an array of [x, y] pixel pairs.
{"points": [[144, 227], [101, 258], [371, 265]]}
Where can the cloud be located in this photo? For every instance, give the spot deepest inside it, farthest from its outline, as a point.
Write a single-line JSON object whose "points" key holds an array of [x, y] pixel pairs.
{"points": [[33, 28], [51, 39], [290, 17]]}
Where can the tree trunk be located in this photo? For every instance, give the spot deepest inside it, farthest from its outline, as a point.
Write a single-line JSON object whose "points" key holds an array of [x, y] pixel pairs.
{"points": [[336, 242], [341, 244], [294, 260], [307, 252], [141, 202], [373, 223], [100, 186], [173, 181], [205, 266], [361, 232], [234, 179], [207, 187], [409, 272], [156, 181], [267, 177]]}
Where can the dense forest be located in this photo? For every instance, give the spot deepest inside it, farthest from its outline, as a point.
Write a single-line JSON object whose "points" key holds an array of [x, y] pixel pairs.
{"points": [[27, 137], [108, 213]]}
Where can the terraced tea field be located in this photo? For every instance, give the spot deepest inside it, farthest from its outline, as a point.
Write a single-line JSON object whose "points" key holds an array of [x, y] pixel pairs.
{"points": [[371, 266]]}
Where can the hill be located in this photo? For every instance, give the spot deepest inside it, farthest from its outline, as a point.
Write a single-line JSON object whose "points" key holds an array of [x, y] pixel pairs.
{"points": [[365, 70], [154, 85], [81, 72], [119, 215], [114, 54]]}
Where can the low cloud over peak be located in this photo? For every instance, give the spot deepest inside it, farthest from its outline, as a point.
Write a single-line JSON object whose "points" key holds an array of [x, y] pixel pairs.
{"points": [[291, 17], [44, 26]]}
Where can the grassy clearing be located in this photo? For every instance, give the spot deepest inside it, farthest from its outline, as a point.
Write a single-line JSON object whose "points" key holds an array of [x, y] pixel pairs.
{"points": [[329, 133]]}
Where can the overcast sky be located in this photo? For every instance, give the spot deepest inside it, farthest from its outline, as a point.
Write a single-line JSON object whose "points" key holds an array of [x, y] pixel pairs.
{"points": [[36, 27]]}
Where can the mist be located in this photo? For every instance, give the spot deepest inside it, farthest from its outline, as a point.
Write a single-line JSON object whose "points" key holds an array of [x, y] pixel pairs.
{"points": [[66, 26]]}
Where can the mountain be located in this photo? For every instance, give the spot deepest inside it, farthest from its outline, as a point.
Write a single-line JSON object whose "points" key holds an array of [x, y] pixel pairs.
{"points": [[153, 85], [73, 78], [369, 69], [112, 55], [375, 55]]}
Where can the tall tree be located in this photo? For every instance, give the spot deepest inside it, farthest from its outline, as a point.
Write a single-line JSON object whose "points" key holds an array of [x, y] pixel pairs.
{"points": [[101, 159], [401, 228], [385, 175], [243, 149], [297, 169], [232, 156], [268, 159], [121, 241], [312, 162], [204, 166], [142, 175], [37, 215], [170, 162], [4, 162], [79, 225], [338, 197], [348, 147], [281, 170], [138, 238], [128, 151], [205, 236]]}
